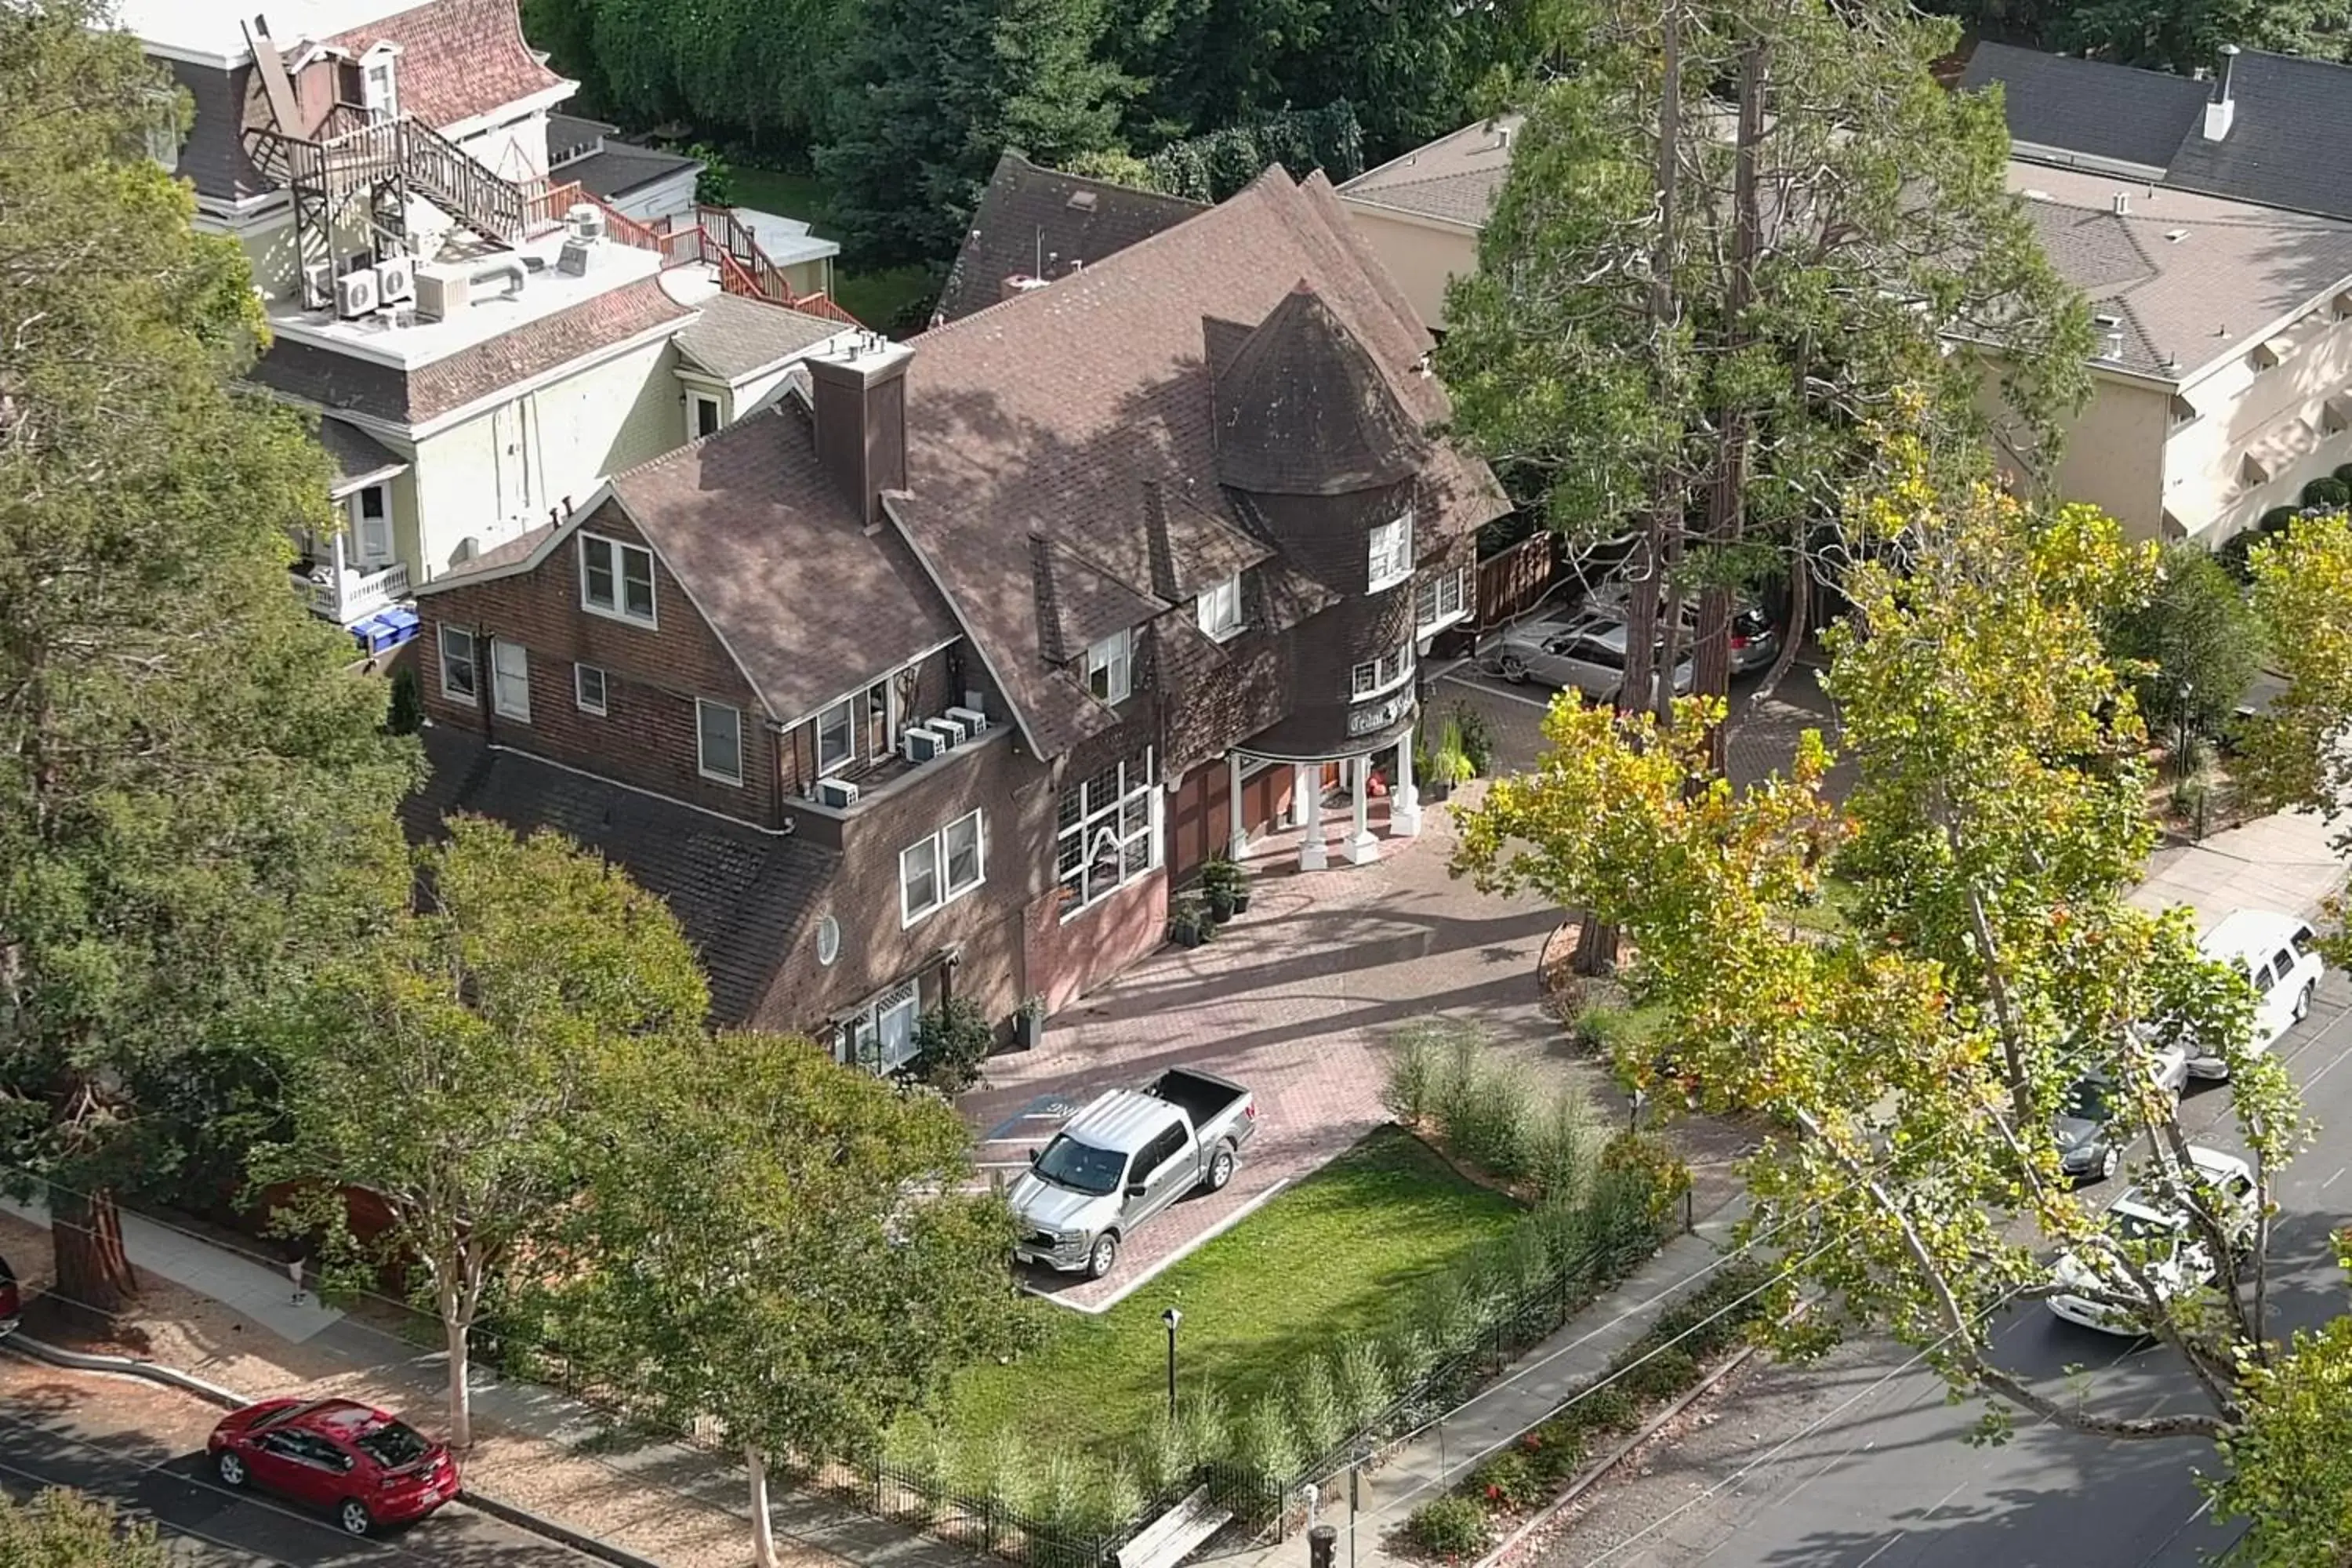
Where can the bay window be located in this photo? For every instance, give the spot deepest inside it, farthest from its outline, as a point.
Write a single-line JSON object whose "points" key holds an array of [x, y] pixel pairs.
{"points": [[1109, 833]]}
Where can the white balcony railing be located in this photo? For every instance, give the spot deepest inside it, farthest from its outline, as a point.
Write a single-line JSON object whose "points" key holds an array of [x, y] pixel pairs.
{"points": [[349, 594]]}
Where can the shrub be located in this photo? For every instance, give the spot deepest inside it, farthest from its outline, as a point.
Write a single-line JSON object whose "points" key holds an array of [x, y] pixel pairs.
{"points": [[1605, 1408], [1561, 1147], [1163, 1458], [1206, 1426], [1659, 1372], [2277, 520], [1649, 1164], [1366, 1389], [1266, 1451], [1416, 1065], [1449, 1527], [1555, 1450], [1477, 736], [404, 714], [2192, 649], [1411, 1355], [1510, 1480], [715, 186], [1077, 1503], [1000, 1471], [2331, 493], [1321, 1412], [950, 1042]]}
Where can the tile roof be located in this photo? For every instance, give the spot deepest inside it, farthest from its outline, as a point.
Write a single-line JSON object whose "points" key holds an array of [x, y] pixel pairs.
{"points": [[333, 380], [1454, 179], [357, 456], [780, 564], [738, 338], [1031, 218], [2089, 107], [459, 58], [2191, 279], [1048, 413], [742, 895]]}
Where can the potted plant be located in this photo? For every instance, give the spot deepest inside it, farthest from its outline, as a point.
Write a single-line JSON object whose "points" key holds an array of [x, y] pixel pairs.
{"points": [[1224, 888], [1447, 766], [1029, 1023], [1188, 921]]}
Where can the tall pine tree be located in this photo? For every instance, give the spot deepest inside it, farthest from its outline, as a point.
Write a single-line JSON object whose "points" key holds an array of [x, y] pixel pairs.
{"points": [[194, 793]]}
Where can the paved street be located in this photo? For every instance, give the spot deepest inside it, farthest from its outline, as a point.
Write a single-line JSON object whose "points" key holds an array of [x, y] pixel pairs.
{"points": [[1860, 1462], [143, 1447]]}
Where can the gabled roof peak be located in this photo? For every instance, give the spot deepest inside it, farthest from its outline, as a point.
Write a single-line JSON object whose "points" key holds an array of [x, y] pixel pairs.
{"points": [[1302, 408]]}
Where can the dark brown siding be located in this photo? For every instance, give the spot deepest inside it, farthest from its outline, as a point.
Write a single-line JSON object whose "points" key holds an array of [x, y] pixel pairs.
{"points": [[647, 737]]}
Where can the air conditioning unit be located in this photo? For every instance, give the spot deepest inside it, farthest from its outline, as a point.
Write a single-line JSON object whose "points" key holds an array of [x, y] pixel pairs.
{"points": [[919, 744], [956, 730], [355, 293], [973, 720], [441, 294], [587, 221], [839, 794], [317, 285], [395, 279]]}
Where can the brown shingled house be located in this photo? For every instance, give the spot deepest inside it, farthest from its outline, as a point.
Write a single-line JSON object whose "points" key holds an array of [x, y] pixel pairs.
{"points": [[954, 659]]}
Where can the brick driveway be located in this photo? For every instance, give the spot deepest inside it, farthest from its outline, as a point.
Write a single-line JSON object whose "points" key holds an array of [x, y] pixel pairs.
{"points": [[1292, 999]]}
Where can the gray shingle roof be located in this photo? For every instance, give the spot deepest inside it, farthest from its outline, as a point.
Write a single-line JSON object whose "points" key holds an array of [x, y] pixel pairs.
{"points": [[2290, 140], [1455, 178], [617, 167], [738, 338], [2089, 107], [358, 457], [1030, 217], [742, 895]]}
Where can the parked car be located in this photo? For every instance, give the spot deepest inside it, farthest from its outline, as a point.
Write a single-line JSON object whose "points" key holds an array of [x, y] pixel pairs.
{"points": [[1755, 640], [1583, 652], [365, 1466], [2090, 1143], [11, 1304], [1123, 1159], [2277, 955], [2177, 1252]]}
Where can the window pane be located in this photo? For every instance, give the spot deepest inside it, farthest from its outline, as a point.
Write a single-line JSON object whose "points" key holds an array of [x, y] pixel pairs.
{"points": [[919, 876], [510, 678], [598, 554], [722, 740], [836, 735], [638, 566], [590, 682], [963, 853], [456, 662]]}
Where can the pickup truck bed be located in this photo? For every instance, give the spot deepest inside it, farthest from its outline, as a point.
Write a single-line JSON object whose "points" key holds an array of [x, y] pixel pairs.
{"points": [[1202, 1096]]}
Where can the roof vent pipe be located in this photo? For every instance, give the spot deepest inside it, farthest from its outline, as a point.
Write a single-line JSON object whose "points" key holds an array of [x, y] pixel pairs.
{"points": [[2224, 110], [2122, 204]]}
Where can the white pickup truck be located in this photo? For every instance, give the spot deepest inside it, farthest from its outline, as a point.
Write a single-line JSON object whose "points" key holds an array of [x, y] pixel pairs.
{"points": [[1121, 1159]]}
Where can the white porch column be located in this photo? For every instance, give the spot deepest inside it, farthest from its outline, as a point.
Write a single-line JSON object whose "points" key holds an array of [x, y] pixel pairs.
{"points": [[1404, 801], [1306, 805], [1237, 842], [1363, 849]]}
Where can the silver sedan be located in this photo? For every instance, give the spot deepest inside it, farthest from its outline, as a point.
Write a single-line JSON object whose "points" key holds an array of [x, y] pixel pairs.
{"points": [[1586, 652]]}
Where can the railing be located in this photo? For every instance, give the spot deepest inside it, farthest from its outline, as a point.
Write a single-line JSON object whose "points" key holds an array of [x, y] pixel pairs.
{"points": [[352, 151], [360, 594]]}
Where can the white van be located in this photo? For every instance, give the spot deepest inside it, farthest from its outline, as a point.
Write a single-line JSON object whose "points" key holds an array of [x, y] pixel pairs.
{"points": [[2276, 954]]}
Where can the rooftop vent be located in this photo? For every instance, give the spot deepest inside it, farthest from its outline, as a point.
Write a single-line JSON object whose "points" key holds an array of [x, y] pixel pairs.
{"points": [[2106, 322], [1083, 200], [2175, 236], [1502, 138], [1020, 283], [2034, 195], [2122, 204], [2224, 110]]}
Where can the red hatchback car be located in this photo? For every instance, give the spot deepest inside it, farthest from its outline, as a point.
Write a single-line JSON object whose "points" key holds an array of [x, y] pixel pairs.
{"points": [[366, 1466]]}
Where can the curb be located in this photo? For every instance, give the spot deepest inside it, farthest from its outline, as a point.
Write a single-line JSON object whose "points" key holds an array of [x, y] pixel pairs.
{"points": [[1600, 1472], [228, 1399]]}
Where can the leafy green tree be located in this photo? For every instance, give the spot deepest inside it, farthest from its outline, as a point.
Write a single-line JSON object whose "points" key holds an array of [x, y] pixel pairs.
{"points": [[2185, 36], [1989, 958], [456, 1064], [2192, 649], [2294, 756], [814, 1270], [195, 792], [62, 1529], [2289, 1472], [1689, 311], [935, 91], [759, 71]]}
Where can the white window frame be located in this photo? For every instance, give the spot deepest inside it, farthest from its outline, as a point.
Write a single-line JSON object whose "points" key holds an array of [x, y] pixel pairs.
{"points": [[701, 752], [695, 402], [471, 659], [935, 852], [1115, 816], [848, 708], [1113, 658], [864, 1033], [1434, 591], [580, 674], [1218, 612], [1377, 677], [618, 610], [1390, 555], [511, 691], [382, 100], [373, 551]]}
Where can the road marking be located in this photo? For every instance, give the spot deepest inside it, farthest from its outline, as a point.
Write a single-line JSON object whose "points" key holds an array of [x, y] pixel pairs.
{"points": [[2331, 1180], [1497, 691]]}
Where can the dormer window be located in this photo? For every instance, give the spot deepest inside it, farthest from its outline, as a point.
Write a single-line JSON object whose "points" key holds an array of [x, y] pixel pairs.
{"points": [[2269, 355], [380, 83], [1110, 668], [1392, 553], [1219, 609]]}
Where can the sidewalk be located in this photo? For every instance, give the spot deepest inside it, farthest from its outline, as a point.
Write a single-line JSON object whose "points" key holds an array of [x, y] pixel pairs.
{"points": [[2281, 862], [1524, 1395], [233, 1319]]}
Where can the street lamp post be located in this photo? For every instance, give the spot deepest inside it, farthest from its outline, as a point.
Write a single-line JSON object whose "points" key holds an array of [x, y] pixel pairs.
{"points": [[1172, 1317]]}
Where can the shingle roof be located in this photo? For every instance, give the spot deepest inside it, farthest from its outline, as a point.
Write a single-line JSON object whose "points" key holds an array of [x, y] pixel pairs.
{"points": [[1454, 179], [2191, 279], [780, 564], [742, 895], [458, 59], [2089, 107], [737, 337], [357, 456], [339, 381], [1037, 222], [1048, 413], [617, 167], [1301, 409], [2290, 140], [214, 157]]}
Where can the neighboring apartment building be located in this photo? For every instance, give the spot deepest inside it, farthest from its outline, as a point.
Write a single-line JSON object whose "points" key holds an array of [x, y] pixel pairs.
{"points": [[931, 677], [1422, 212], [480, 340], [643, 184]]}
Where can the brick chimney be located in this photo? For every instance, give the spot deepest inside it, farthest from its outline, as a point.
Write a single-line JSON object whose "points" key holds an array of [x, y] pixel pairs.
{"points": [[859, 395]]}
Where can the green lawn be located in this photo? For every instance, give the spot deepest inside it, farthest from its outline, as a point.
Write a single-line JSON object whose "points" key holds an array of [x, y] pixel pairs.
{"points": [[877, 298], [1323, 1259]]}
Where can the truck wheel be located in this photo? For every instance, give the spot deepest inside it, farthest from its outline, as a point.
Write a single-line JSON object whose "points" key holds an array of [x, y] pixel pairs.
{"points": [[1221, 1167], [2302, 1002], [1103, 1257]]}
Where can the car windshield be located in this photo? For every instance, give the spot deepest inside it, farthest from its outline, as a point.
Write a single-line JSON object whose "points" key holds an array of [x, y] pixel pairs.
{"points": [[2130, 1227], [1081, 1167], [393, 1444], [2087, 1101]]}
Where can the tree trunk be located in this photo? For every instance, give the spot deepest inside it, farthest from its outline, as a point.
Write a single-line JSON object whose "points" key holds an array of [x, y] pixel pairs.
{"points": [[764, 1530], [1596, 948], [461, 1393], [95, 1280]]}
